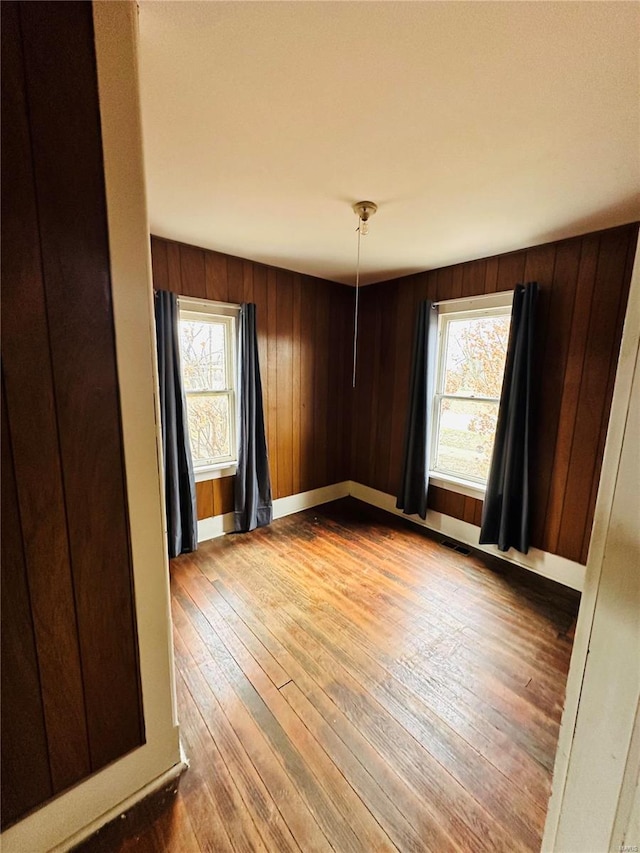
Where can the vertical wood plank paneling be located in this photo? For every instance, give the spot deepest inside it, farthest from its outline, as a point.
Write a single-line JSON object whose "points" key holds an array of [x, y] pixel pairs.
{"points": [[307, 382], [491, 276], [363, 391], [295, 384], [204, 499], [192, 273], [556, 321], [66, 145], [272, 377], [402, 372], [334, 405], [384, 381], [375, 347], [31, 407], [456, 281], [284, 395], [70, 681], [444, 283], [25, 763], [583, 466], [159, 264], [587, 262], [345, 350], [235, 274], [431, 292], [223, 495], [321, 386], [469, 511], [247, 281], [631, 252], [216, 278], [260, 300], [510, 271], [473, 279], [174, 271]]}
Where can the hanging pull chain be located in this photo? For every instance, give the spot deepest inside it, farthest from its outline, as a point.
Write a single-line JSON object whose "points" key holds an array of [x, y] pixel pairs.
{"points": [[357, 305], [363, 210]]}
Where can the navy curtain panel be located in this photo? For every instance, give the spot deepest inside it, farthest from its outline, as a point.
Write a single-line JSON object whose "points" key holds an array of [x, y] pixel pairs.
{"points": [[253, 505], [179, 484], [412, 498], [505, 512]]}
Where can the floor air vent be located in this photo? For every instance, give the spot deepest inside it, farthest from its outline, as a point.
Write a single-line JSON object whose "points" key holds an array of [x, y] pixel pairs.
{"points": [[454, 546]]}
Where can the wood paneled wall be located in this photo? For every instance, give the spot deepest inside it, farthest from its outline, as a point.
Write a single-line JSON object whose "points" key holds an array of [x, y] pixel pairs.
{"points": [[304, 343], [584, 284], [71, 699]]}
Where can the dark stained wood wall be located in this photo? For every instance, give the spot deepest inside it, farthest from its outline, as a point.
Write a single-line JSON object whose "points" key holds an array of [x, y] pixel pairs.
{"points": [[71, 699], [304, 327], [584, 284]]}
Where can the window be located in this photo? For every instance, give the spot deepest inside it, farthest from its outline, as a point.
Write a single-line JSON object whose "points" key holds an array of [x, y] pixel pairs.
{"points": [[472, 344], [208, 355]]}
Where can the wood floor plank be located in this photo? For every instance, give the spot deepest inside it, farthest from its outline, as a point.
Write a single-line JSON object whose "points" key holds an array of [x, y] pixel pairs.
{"points": [[410, 806], [237, 699], [299, 758], [222, 815], [346, 684], [247, 780], [359, 826], [392, 731], [239, 640]]}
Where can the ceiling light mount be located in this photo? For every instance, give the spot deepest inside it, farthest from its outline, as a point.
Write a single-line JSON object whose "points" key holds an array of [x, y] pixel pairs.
{"points": [[364, 210]]}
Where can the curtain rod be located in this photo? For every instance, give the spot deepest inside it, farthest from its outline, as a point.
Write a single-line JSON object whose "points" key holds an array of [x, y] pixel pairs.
{"points": [[209, 301], [467, 298]]}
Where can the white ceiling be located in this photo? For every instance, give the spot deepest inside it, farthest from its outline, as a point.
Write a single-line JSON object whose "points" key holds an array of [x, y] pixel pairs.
{"points": [[477, 127]]}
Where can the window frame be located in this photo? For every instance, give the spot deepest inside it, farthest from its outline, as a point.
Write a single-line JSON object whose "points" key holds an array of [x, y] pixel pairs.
{"points": [[190, 308], [486, 305]]}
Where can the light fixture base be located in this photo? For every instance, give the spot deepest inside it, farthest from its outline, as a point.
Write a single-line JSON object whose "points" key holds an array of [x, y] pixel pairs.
{"points": [[364, 209]]}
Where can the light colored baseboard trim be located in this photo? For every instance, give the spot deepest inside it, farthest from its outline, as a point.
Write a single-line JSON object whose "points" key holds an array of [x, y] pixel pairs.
{"points": [[305, 500], [216, 525], [157, 784], [549, 566], [210, 528]]}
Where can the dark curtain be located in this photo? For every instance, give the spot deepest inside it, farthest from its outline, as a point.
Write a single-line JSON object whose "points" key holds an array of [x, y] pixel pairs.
{"points": [[253, 507], [412, 497], [179, 485], [505, 513]]}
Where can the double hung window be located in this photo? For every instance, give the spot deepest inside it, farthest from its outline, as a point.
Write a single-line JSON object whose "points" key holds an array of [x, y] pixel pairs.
{"points": [[472, 343], [208, 343]]}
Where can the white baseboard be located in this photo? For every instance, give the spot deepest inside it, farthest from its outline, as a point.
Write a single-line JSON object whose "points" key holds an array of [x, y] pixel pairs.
{"points": [[556, 568], [548, 565], [216, 525], [305, 500], [210, 528]]}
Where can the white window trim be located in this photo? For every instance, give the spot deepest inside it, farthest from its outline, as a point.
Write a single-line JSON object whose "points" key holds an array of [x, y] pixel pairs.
{"points": [[215, 472], [225, 467], [478, 306]]}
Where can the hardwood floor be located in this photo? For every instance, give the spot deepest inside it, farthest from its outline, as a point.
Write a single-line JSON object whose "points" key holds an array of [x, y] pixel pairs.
{"points": [[347, 684]]}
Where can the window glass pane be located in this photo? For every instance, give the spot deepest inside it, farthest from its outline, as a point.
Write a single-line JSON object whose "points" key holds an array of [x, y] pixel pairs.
{"points": [[467, 429], [209, 428], [475, 356], [202, 350]]}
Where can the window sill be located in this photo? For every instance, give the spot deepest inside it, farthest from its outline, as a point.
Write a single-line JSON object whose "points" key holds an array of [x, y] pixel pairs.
{"points": [[453, 484], [215, 472]]}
